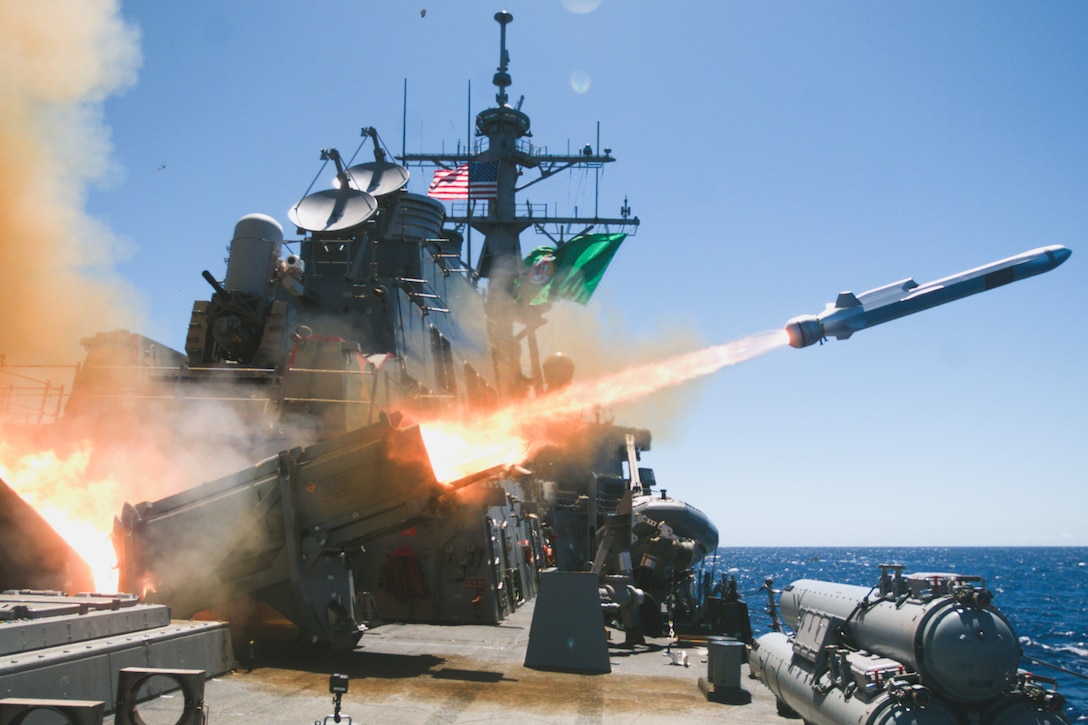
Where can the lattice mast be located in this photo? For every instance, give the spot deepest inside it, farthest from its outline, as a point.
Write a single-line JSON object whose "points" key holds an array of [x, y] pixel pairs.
{"points": [[500, 259]]}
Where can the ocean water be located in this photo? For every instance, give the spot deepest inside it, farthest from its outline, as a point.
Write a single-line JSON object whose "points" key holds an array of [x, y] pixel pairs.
{"points": [[1043, 591]]}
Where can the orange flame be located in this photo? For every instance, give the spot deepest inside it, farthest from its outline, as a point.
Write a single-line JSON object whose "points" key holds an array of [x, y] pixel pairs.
{"points": [[79, 492], [512, 434], [60, 63], [55, 487], [78, 474]]}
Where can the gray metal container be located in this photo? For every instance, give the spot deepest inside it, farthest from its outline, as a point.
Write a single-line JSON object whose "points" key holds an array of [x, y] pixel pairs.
{"points": [[416, 217], [254, 254], [723, 660]]}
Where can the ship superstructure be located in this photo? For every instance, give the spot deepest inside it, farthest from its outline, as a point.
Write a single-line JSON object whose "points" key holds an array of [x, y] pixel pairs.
{"points": [[327, 349]]}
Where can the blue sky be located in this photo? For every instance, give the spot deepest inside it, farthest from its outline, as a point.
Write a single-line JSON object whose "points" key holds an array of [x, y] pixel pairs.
{"points": [[776, 153]]}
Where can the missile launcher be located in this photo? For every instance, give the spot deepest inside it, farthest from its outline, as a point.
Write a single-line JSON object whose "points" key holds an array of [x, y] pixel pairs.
{"points": [[285, 531], [923, 648]]}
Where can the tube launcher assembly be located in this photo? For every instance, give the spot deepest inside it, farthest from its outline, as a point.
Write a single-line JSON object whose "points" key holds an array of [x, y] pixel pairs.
{"points": [[283, 531], [850, 313], [924, 649]]}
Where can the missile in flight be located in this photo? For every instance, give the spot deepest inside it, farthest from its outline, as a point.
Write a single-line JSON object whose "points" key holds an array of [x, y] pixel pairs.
{"points": [[851, 312]]}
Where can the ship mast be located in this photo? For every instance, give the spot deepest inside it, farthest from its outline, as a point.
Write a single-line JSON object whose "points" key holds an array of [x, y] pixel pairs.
{"points": [[500, 260]]}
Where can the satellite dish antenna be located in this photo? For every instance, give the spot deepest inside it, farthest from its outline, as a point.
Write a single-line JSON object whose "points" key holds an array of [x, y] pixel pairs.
{"points": [[333, 210], [377, 177]]}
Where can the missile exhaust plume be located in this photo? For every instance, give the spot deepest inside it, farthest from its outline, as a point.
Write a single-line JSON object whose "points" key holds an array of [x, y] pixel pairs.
{"points": [[58, 62], [512, 434], [639, 381], [56, 487]]}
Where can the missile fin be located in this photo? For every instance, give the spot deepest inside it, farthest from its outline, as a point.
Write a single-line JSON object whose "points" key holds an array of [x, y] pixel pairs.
{"points": [[923, 291], [849, 327], [887, 293], [847, 299]]}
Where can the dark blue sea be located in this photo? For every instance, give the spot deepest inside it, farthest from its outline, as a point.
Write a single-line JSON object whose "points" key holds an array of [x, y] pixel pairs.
{"points": [[1042, 590]]}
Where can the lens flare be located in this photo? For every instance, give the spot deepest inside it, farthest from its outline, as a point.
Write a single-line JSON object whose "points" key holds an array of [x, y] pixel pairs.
{"points": [[581, 7], [579, 81]]}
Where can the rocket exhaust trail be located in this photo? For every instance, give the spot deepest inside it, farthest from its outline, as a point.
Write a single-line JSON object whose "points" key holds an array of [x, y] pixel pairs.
{"points": [[642, 380], [514, 433]]}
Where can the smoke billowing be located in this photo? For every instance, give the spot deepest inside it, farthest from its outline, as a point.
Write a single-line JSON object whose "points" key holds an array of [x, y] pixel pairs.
{"points": [[600, 346], [58, 61], [514, 432]]}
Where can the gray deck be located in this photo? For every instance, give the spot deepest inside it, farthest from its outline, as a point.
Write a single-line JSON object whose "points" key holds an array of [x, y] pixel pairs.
{"points": [[415, 673]]}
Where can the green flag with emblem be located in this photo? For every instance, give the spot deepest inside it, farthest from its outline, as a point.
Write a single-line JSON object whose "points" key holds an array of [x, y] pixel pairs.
{"points": [[570, 272]]}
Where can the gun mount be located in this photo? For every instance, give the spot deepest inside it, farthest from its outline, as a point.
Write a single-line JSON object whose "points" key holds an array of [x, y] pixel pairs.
{"points": [[285, 530]]}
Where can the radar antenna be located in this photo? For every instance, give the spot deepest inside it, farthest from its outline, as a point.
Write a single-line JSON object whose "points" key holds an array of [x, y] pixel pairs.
{"points": [[379, 155], [334, 156], [499, 166], [502, 78], [378, 177], [334, 209]]}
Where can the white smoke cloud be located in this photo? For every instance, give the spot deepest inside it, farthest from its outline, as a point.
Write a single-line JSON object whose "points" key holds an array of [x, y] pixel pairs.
{"points": [[59, 60]]}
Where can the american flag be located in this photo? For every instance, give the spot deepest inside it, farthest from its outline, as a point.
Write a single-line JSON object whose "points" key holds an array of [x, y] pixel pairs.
{"points": [[477, 180]]}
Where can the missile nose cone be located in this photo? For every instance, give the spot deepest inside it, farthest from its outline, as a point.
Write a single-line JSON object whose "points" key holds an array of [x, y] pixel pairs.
{"points": [[1059, 255]]}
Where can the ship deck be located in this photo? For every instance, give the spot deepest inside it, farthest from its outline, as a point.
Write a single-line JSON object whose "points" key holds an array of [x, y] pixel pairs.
{"points": [[416, 673]]}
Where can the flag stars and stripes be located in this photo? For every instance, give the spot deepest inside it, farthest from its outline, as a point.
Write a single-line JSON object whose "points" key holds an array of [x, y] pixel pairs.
{"points": [[477, 180]]}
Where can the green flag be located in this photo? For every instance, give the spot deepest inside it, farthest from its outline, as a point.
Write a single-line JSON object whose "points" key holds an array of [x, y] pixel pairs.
{"points": [[570, 272]]}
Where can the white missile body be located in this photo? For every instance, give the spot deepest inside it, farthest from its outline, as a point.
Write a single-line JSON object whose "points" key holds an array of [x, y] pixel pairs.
{"points": [[850, 313]]}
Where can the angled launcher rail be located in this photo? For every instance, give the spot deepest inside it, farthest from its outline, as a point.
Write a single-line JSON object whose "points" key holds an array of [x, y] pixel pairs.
{"points": [[285, 529]]}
